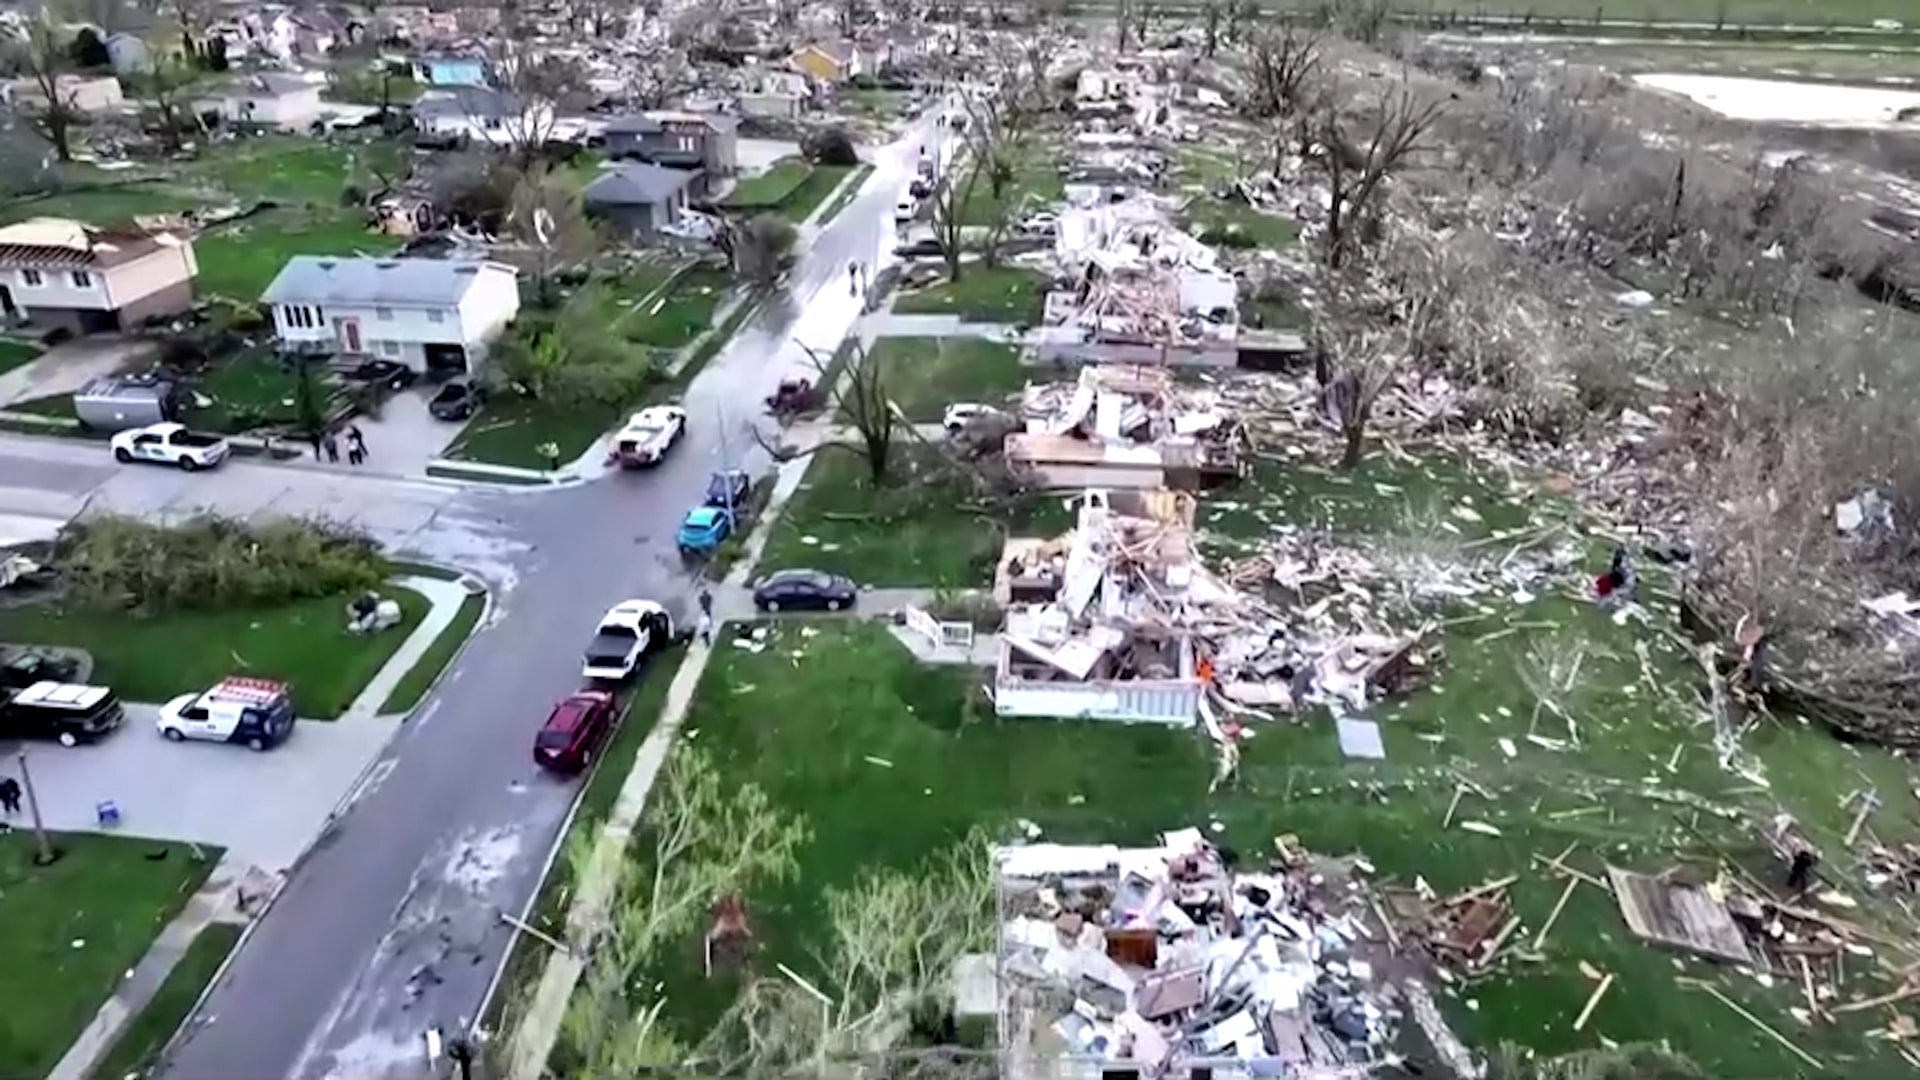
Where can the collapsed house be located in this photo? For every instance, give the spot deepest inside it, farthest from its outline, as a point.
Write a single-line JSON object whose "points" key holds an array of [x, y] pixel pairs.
{"points": [[1141, 291], [1118, 620], [1126, 427], [1147, 960]]}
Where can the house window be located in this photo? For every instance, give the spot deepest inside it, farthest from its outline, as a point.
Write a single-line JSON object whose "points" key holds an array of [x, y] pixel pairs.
{"points": [[385, 313], [82, 279], [435, 315], [389, 348], [32, 277]]}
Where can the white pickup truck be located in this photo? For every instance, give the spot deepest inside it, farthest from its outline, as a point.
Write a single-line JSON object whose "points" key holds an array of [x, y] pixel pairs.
{"points": [[628, 632], [170, 444]]}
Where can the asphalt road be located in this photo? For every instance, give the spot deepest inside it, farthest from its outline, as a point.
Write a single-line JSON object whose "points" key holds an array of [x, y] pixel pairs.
{"points": [[391, 925]]}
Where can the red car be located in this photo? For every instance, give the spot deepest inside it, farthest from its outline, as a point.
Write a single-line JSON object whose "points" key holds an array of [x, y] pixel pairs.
{"points": [[575, 730]]}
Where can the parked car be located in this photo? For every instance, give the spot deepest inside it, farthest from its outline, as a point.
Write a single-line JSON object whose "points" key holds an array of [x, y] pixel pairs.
{"points": [[574, 731], [1041, 223], [391, 374], [648, 435], [729, 488], [458, 399], [170, 444], [26, 667], [927, 247], [256, 712], [906, 210], [962, 413], [704, 529], [803, 590], [66, 712], [627, 633]]}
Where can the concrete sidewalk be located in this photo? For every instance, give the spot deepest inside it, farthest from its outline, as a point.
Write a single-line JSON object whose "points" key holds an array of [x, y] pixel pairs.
{"points": [[217, 901]]}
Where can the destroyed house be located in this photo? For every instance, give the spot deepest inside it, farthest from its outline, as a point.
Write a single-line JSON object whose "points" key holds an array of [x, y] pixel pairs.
{"points": [[1143, 292], [1125, 427], [1166, 962], [1095, 627]]}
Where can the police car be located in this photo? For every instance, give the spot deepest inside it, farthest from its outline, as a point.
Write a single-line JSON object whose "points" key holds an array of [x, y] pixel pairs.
{"points": [[256, 712]]}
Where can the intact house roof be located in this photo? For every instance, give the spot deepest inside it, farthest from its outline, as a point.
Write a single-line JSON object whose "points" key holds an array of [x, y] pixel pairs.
{"points": [[636, 184], [649, 123], [57, 243], [329, 279]]}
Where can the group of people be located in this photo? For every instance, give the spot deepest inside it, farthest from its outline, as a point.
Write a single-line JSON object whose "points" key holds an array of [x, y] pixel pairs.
{"points": [[325, 443], [859, 276]]}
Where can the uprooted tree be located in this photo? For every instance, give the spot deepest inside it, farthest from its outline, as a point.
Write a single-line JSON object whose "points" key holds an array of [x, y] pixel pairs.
{"points": [[704, 842], [545, 216], [758, 249]]}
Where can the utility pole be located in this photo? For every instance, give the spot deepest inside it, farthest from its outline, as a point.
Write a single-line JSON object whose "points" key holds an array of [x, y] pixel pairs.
{"points": [[46, 855]]}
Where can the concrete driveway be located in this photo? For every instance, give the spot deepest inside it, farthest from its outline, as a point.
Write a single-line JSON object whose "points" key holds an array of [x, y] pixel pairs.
{"points": [[264, 808], [71, 365]]}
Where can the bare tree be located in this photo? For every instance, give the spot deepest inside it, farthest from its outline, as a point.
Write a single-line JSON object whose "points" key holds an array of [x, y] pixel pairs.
{"points": [[1357, 365], [170, 79], [1358, 164], [532, 86], [866, 422], [658, 76], [40, 50], [948, 203], [545, 215], [1279, 65]]}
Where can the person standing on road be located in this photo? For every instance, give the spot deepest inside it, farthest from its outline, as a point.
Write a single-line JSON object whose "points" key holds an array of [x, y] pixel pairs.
{"points": [[10, 795], [357, 443], [706, 602], [333, 448], [314, 438]]}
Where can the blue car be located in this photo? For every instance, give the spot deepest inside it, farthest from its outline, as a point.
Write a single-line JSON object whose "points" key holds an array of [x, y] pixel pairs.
{"points": [[705, 528]]}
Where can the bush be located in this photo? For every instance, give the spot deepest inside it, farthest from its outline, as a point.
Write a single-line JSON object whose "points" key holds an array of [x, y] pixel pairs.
{"points": [[832, 146], [114, 563]]}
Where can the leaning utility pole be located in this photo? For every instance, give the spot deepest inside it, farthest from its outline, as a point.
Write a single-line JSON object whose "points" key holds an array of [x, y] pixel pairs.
{"points": [[46, 855]]}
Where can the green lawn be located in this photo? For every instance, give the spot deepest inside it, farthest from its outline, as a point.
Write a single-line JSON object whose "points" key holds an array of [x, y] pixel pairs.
{"points": [[104, 205], [239, 260], [1232, 223], [671, 321], [141, 1041], [1035, 186], [1001, 294], [414, 685], [52, 405], [70, 931], [511, 431], [770, 189], [153, 659], [874, 101], [925, 375], [15, 354], [247, 390], [915, 531], [821, 183], [293, 169]]}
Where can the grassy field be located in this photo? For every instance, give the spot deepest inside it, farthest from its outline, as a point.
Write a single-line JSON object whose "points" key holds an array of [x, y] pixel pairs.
{"points": [[1232, 223], [15, 354], [241, 259], [925, 375], [914, 531], [1002, 294], [141, 1041], [292, 169], [679, 317], [154, 659], [246, 390], [414, 685], [105, 205], [1036, 185], [770, 189], [70, 931], [819, 185], [511, 431]]}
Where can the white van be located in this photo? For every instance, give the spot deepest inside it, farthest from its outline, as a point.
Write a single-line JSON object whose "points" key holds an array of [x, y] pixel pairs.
{"points": [[257, 712]]}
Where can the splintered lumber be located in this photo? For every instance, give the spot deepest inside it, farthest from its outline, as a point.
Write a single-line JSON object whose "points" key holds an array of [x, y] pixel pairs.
{"points": [[1806, 986], [1899, 995], [1559, 867], [1593, 1002], [1553, 916], [1458, 791], [1760, 1024], [1493, 947], [1480, 890], [1678, 916]]}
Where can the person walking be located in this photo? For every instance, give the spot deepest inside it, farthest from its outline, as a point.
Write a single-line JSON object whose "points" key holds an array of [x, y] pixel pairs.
{"points": [[10, 795], [357, 442], [314, 438], [706, 602], [333, 448]]}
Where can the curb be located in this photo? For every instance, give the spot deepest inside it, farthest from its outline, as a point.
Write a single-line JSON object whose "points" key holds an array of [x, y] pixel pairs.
{"points": [[265, 907], [471, 583]]}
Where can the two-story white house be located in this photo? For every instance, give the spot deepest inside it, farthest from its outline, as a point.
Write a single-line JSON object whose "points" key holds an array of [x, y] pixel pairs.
{"points": [[434, 315], [61, 274], [290, 102]]}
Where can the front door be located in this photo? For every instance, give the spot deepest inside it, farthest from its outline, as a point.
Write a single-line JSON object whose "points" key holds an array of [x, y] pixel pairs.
{"points": [[348, 331]]}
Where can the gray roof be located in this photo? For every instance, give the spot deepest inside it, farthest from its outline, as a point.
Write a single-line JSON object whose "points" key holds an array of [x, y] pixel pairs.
{"points": [[636, 183], [650, 123], [471, 101], [329, 279]]}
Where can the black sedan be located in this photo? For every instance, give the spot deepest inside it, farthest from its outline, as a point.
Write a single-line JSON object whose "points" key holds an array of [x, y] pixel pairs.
{"points": [[728, 488], [803, 590], [457, 400], [388, 373]]}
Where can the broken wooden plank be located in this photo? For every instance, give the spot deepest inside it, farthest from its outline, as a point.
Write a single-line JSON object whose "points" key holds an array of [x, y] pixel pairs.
{"points": [[1553, 916], [1678, 916], [1895, 997], [1593, 1002], [1458, 791], [1789, 1044], [1493, 947], [1480, 890]]}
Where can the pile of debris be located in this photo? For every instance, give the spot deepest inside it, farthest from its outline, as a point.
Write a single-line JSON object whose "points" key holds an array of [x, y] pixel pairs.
{"points": [[1174, 958], [1118, 426]]}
